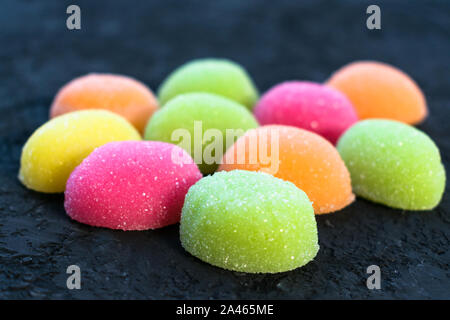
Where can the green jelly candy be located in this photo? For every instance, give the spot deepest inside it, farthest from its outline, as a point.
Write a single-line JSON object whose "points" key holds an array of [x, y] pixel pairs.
{"points": [[203, 124], [219, 76], [250, 222], [394, 164]]}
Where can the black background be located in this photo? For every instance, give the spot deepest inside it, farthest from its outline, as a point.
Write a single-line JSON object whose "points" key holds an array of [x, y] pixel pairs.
{"points": [[275, 41]]}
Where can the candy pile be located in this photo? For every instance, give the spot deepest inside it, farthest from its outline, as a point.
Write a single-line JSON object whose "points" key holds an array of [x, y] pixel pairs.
{"points": [[243, 175]]}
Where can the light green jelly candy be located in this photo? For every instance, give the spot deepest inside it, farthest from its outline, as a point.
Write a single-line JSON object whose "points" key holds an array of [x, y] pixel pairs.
{"points": [[203, 124], [219, 76], [394, 164], [250, 222]]}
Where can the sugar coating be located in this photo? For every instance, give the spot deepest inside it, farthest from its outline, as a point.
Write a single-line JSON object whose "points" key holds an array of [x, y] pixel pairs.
{"points": [[120, 94], [130, 185], [307, 105], [394, 164], [218, 76], [250, 222], [378, 90], [210, 112], [303, 158], [59, 145]]}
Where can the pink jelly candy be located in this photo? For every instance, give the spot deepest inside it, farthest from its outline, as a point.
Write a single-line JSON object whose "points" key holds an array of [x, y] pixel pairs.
{"points": [[130, 185], [307, 105]]}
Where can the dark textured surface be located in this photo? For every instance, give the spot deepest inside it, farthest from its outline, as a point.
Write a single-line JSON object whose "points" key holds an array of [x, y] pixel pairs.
{"points": [[275, 41]]}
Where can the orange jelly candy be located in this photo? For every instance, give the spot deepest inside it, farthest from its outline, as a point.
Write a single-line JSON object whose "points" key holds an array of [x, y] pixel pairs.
{"points": [[120, 94], [378, 90], [296, 155]]}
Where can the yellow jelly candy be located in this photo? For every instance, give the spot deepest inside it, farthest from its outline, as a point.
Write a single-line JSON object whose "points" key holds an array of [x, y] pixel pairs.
{"points": [[59, 145]]}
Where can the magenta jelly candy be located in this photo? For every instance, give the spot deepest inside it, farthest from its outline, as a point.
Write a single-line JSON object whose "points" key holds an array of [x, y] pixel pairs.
{"points": [[307, 105], [130, 185]]}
